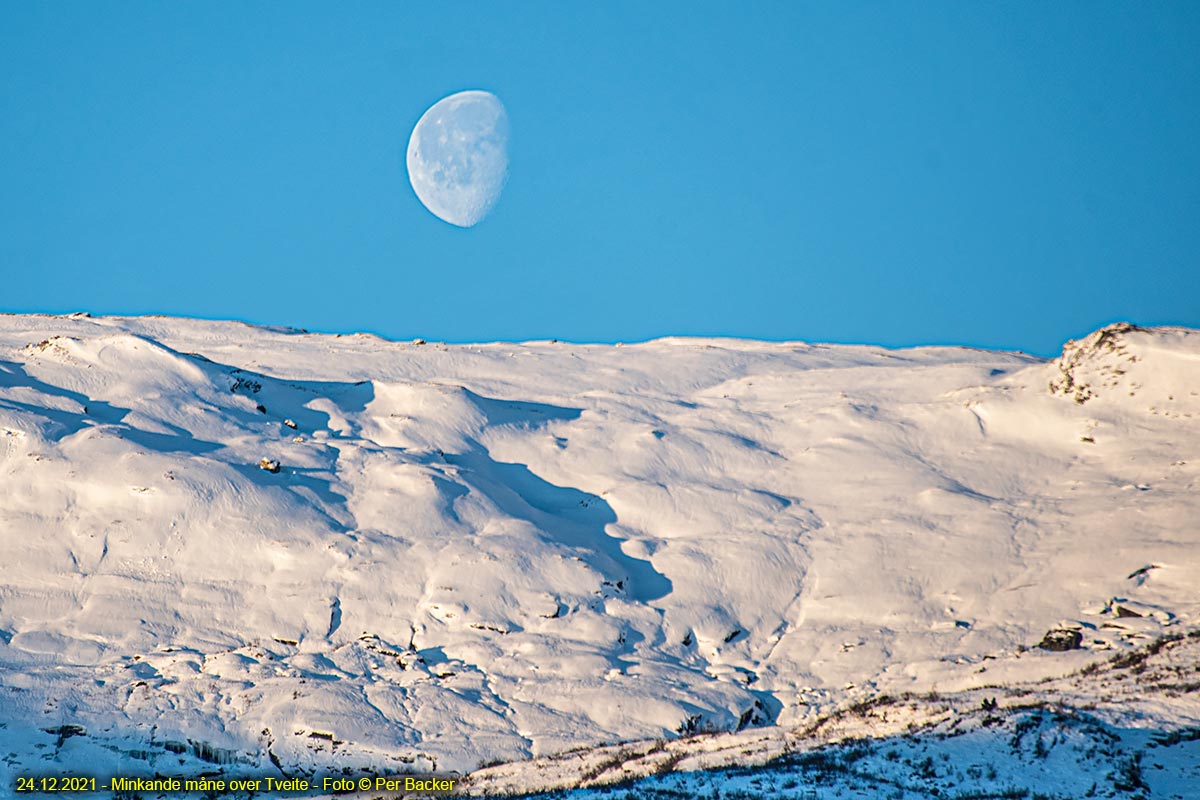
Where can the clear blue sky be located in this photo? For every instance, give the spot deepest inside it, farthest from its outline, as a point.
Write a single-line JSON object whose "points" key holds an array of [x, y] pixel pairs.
{"points": [[994, 174]]}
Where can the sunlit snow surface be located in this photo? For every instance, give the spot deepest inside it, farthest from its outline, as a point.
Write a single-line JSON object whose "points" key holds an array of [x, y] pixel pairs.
{"points": [[487, 553]]}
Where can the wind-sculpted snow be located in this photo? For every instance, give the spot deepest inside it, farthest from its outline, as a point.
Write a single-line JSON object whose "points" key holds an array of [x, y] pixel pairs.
{"points": [[489, 552]]}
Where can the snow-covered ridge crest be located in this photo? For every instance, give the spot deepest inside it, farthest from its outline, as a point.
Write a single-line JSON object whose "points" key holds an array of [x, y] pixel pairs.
{"points": [[1104, 363], [311, 550]]}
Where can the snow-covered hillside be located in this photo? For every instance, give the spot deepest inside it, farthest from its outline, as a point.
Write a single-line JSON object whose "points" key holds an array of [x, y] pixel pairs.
{"points": [[294, 551], [1114, 728]]}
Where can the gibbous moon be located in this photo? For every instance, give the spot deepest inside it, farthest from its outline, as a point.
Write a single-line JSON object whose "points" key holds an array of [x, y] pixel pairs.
{"points": [[458, 156]]}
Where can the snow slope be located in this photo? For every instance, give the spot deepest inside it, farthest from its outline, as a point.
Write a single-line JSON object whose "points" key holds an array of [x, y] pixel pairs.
{"points": [[492, 552], [1048, 738]]}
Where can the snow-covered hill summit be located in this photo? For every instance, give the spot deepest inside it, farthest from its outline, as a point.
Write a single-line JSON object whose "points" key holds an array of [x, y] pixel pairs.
{"points": [[264, 546]]}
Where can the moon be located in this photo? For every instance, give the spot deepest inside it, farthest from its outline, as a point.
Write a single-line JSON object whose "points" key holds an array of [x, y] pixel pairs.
{"points": [[458, 157]]}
